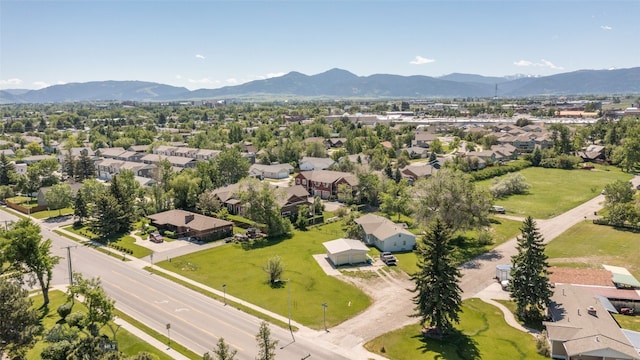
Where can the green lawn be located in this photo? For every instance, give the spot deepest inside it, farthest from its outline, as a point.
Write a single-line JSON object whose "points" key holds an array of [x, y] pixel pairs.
{"points": [[481, 334], [125, 241], [44, 214], [589, 245], [240, 267], [127, 342], [501, 230], [628, 322], [554, 191]]}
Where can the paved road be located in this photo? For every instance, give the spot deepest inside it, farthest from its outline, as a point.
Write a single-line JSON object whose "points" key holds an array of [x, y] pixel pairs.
{"points": [[196, 320]]}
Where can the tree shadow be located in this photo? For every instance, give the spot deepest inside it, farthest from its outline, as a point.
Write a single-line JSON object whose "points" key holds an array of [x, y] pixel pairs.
{"points": [[487, 256], [454, 345]]}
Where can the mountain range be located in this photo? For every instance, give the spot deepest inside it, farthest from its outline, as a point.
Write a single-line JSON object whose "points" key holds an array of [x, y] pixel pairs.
{"points": [[342, 84]]}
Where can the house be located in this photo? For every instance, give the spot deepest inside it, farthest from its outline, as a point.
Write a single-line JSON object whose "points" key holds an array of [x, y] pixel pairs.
{"points": [[336, 142], [592, 153], [274, 171], [42, 193], [187, 224], [296, 196], [175, 161], [227, 195], [346, 251], [506, 151], [308, 163], [583, 328], [20, 169], [423, 139], [8, 152], [325, 183], [111, 153], [36, 158], [417, 152], [106, 169], [417, 170], [385, 234]]}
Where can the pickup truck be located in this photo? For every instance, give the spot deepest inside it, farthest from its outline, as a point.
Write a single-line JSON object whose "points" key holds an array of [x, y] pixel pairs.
{"points": [[388, 258]]}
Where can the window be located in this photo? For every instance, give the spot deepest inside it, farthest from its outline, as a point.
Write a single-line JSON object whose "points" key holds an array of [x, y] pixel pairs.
{"points": [[304, 181]]}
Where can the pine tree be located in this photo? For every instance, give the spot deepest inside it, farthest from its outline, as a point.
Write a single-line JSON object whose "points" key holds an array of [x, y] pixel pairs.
{"points": [[80, 209], [530, 286], [6, 168], [266, 345], [438, 297], [85, 167]]}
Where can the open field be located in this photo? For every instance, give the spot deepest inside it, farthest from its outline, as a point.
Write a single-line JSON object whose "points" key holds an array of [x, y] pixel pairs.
{"points": [[554, 191], [481, 334], [589, 245], [127, 342], [240, 267]]}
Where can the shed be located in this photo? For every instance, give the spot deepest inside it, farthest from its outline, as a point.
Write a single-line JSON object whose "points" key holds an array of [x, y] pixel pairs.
{"points": [[503, 272], [346, 251]]}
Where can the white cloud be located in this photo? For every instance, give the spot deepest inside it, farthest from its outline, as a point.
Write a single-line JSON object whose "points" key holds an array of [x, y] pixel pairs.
{"points": [[202, 57], [523, 63], [270, 75], [41, 84], [542, 64], [606, 27], [419, 60], [232, 81], [200, 81], [10, 82], [179, 77]]}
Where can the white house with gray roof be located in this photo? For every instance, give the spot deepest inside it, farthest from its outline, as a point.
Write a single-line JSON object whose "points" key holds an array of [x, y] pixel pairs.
{"points": [[385, 234]]}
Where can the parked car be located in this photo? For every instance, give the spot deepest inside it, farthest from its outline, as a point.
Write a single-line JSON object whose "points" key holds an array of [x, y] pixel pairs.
{"points": [[497, 209], [388, 258], [156, 238]]}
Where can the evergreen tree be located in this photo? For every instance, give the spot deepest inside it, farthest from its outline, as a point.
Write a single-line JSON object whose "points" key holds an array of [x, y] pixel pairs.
{"points": [[108, 216], [530, 287], [69, 165], [85, 167], [6, 169], [266, 345], [536, 157], [438, 296], [80, 209]]}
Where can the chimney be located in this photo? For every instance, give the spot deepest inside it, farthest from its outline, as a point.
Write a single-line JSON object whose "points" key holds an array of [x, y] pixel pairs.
{"points": [[592, 311], [578, 311]]}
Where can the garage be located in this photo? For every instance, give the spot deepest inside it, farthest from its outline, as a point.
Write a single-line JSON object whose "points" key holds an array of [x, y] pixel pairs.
{"points": [[346, 251]]}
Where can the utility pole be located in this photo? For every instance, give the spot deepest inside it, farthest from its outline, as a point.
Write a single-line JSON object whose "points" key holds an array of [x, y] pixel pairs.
{"points": [[69, 262]]}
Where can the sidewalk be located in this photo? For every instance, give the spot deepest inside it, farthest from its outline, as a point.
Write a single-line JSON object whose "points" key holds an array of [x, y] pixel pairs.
{"points": [[494, 292]]}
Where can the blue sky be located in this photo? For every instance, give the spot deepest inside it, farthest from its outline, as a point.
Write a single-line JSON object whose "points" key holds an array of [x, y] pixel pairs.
{"points": [[210, 44]]}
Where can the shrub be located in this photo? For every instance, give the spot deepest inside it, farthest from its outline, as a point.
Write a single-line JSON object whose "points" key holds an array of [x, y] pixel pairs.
{"points": [[494, 171], [542, 344], [64, 310], [76, 319], [511, 184], [57, 350], [485, 238], [61, 332]]}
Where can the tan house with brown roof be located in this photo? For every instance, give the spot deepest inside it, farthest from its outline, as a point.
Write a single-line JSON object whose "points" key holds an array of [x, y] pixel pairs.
{"points": [[325, 183], [188, 224]]}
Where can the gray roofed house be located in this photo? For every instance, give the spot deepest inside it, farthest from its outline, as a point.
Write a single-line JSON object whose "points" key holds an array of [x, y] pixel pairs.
{"points": [[185, 224], [274, 171], [308, 163], [582, 328], [385, 234]]}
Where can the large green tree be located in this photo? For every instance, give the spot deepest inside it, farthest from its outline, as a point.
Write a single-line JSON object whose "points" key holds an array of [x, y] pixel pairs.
{"points": [[108, 217], [30, 255], [262, 205], [59, 197], [530, 286], [231, 166], [7, 170], [454, 197], [395, 198], [19, 322], [185, 188], [437, 294], [100, 307]]}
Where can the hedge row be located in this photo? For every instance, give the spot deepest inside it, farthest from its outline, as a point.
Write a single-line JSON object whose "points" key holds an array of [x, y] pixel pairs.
{"points": [[491, 172]]}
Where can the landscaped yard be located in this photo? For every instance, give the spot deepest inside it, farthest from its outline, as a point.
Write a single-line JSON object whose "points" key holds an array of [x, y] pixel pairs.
{"points": [[554, 191], [127, 342], [481, 334], [589, 245], [241, 268], [125, 241]]}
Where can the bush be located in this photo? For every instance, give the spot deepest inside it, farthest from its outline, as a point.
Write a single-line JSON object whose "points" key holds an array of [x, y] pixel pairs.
{"points": [[76, 319], [61, 332], [57, 350], [511, 184], [64, 310], [485, 238], [170, 234], [494, 171]]}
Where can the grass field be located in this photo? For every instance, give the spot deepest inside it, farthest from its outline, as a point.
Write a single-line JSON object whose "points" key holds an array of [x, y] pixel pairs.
{"points": [[554, 191], [481, 334], [127, 342], [240, 267], [588, 245]]}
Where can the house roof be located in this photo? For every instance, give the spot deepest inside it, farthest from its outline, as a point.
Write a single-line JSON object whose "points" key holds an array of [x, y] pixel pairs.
{"points": [[598, 277], [381, 227], [226, 192], [182, 218], [582, 332], [317, 163], [274, 168], [327, 176], [339, 246], [111, 152]]}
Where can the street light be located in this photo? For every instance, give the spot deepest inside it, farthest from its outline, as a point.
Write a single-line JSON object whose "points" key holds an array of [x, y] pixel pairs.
{"points": [[288, 305], [324, 311], [224, 289]]}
